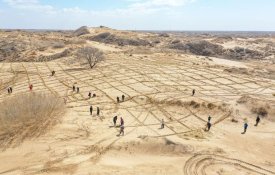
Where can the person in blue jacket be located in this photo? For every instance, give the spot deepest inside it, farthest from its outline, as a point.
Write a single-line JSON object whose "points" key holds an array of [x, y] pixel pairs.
{"points": [[245, 127]]}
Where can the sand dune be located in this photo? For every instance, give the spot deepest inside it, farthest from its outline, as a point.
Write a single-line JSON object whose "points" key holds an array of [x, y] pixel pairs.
{"points": [[157, 83]]}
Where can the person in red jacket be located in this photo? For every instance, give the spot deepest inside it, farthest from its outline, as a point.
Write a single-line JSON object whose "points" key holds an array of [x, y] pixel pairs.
{"points": [[31, 87]]}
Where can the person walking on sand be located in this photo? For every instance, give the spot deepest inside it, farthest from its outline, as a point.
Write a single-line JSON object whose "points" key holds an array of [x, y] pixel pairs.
{"points": [[209, 118], [53, 72], [97, 111], [245, 127], [114, 120], [193, 92], [121, 121], [9, 90], [117, 99], [77, 89], [208, 126], [258, 119], [91, 110], [162, 124], [73, 88], [90, 95], [123, 97], [121, 132], [31, 87]]}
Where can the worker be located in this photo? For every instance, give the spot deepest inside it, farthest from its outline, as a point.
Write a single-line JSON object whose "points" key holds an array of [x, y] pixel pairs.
{"points": [[31, 87], [123, 97], [114, 120], [258, 119], [162, 124], [193, 92], [97, 111], [245, 127]]}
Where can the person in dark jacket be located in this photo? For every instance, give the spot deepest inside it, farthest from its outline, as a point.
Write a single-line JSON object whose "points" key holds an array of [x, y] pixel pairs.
{"points": [[97, 111], [209, 118], [114, 120], [208, 126], [193, 92], [258, 119]]}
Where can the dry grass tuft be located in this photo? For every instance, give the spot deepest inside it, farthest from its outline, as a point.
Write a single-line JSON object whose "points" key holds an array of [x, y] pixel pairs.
{"points": [[28, 116], [180, 103], [257, 106]]}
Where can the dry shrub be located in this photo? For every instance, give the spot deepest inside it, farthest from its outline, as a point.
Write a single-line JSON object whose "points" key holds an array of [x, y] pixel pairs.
{"points": [[257, 106], [109, 38], [91, 55], [260, 110], [58, 45], [194, 104], [211, 106], [55, 56], [28, 116]]}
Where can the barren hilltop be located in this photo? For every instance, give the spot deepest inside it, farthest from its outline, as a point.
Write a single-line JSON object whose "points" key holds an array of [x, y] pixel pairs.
{"points": [[187, 97]]}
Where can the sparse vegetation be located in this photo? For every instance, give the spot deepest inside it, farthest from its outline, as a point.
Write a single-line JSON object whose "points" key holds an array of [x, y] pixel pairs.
{"points": [[91, 55], [257, 106], [164, 35], [81, 31], [118, 40], [27, 116], [206, 48], [58, 45], [175, 41], [62, 54], [240, 53]]}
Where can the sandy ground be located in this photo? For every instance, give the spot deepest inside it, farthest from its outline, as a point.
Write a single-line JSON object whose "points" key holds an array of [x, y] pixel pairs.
{"points": [[155, 87]]}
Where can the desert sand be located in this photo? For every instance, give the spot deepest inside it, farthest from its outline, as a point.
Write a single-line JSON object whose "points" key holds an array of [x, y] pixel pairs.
{"points": [[157, 83]]}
